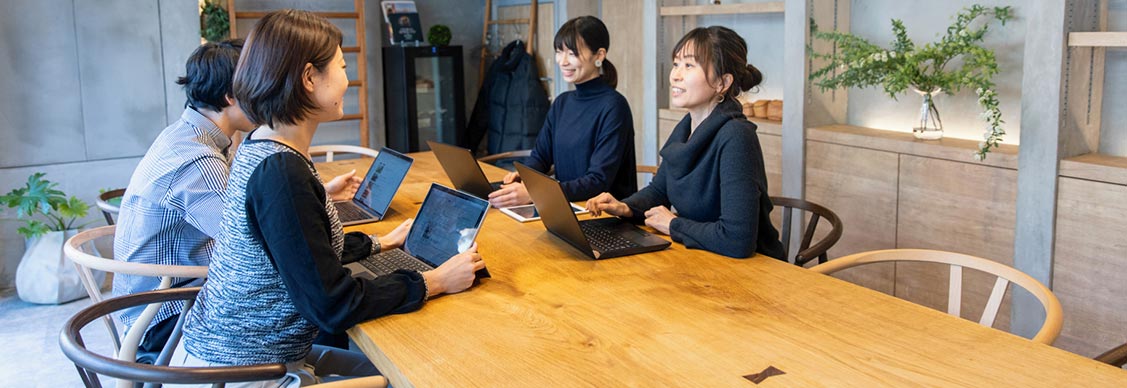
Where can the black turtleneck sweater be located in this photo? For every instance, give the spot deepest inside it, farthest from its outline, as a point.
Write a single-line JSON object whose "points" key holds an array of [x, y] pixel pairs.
{"points": [[715, 179], [589, 137]]}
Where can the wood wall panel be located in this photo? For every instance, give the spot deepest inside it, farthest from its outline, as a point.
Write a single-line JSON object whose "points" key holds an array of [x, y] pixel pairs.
{"points": [[959, 207], [859, 185], [624, 22], [1089, 265]]}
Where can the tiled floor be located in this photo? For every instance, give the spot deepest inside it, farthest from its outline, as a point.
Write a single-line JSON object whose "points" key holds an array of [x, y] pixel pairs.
{"points": [[30, 334]]}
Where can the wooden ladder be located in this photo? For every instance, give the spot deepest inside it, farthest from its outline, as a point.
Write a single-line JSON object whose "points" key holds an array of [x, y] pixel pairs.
{"points": [[360, 49], [530, 43]]}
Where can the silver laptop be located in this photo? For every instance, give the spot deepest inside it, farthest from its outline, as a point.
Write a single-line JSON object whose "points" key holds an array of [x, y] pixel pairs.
{"points": [[372, 200], [446, 225], [463, 170], [598, 238]]}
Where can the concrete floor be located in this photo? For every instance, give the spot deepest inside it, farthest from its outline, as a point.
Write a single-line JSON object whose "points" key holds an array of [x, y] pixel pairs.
{"points": [[30, 334]]}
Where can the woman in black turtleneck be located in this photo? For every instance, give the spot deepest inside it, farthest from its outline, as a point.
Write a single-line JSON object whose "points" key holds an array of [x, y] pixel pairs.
{"points": [[712, 167], [589, 132]]}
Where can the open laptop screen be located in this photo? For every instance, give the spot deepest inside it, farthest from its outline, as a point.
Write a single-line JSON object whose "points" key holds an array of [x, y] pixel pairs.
{"points": [[384, 177], [446, 225]]}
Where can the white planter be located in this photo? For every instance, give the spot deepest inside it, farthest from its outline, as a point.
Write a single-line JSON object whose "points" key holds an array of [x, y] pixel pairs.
{"points": [[45, 275]]}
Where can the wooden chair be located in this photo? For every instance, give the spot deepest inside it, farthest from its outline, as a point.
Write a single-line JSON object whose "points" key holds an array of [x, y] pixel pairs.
{"points": [[109, 207], [1115, 357], [329, 152], [1053, 314], [81, 250], [90, 364], [806, 252]]}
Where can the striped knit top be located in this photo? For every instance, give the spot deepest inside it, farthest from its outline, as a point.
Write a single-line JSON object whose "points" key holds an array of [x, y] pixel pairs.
{"points": [[277, 275]]}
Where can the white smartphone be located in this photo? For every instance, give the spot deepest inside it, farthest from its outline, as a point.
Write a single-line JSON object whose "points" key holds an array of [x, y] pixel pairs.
{"points": [[526, 213]]}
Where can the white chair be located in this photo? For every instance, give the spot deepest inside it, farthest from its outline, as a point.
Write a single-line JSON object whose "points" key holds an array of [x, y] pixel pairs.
{"points": [[81, 250], [109, 208], [330, 151], [1053, 313]]}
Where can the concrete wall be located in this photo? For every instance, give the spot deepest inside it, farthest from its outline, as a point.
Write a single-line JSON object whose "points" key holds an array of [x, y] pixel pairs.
{"points": [[84, 89]]}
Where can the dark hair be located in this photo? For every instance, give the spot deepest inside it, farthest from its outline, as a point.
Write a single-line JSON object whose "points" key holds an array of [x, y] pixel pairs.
{"points": [[268, 82], [594, 35], [209, 72], [719, 51]]}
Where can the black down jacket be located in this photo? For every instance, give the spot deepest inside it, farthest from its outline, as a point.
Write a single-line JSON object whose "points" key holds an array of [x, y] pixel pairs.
{"points": [[511, 104]]}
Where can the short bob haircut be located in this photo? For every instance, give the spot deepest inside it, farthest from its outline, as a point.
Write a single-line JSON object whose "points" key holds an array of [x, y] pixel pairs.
{"points": [[268, 82], [210, 68]]}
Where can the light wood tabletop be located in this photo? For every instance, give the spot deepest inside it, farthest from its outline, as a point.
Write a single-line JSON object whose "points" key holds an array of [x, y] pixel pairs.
{"points": [[552, 317]]}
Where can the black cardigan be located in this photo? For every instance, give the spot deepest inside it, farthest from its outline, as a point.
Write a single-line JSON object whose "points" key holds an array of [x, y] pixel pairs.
{"points": [[714, 178]]}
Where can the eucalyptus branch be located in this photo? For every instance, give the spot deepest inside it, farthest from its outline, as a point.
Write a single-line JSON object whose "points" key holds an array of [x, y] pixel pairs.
{"points": [[860, 63]]}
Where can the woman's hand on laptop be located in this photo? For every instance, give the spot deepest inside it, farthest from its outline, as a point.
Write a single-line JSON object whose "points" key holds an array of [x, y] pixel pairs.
{"points": [[511, 194], [456, 274], [396, 238], [343, 187], [511, 177], [606, 202]]}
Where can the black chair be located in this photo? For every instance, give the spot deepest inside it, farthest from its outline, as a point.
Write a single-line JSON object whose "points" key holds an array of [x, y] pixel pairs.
{"points": [[808, 253], [1115, 357], [90, 364]]}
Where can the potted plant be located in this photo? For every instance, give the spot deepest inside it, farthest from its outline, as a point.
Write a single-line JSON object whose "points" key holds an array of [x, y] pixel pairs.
{"points": [[439, 35], [955, 62], [44, 274], [215, 23]]}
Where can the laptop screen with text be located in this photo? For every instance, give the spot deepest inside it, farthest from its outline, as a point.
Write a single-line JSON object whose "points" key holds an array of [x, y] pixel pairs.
{"points": [[383, 180], [446, 225]]}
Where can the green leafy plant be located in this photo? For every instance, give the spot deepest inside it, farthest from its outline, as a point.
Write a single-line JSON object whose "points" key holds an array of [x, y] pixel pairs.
{"points": [[439, 35], [40, 196], [955, 62], [215, 23]]}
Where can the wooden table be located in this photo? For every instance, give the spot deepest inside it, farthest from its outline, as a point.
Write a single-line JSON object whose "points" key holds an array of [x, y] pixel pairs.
{"points": [[552, 317]]}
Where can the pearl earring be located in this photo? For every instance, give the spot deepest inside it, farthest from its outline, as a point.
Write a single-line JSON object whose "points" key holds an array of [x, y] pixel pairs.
{"points": [[598, 63]]}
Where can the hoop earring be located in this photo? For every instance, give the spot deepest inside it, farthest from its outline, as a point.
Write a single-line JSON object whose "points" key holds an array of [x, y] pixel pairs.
{"points": [[721, 99]]}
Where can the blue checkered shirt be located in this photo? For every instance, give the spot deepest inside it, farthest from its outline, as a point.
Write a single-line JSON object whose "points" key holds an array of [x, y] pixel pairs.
{"points": [[172, 209]]}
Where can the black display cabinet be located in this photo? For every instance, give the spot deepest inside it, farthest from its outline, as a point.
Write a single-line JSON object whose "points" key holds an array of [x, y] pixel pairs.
{"points": [[424, 96]]}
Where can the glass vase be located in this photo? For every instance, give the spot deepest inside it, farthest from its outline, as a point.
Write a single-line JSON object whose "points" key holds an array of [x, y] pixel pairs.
{"points": [[929, 126]]}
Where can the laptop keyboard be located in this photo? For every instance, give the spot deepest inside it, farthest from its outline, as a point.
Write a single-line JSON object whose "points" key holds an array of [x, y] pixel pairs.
{"points": [[603, 238], [389, 261], [348, 211]]}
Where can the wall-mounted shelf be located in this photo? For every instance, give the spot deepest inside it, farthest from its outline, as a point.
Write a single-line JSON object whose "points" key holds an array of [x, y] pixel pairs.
{"points": [[1096, 167], [957, 150], [723, 9], [1097, 39]]}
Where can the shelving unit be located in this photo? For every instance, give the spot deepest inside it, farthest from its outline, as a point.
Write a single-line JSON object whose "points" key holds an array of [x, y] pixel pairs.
{"points": [[360, 49], [1097, 39], [723, 9]]}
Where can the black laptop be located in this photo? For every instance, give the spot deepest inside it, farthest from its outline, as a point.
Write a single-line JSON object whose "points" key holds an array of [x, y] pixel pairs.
{"points": [[463, 170], [372, 200], [446, 225], [598, 238]]}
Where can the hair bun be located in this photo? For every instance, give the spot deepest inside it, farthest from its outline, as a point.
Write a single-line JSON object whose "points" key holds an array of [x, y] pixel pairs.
{"points": [[750, 77]]}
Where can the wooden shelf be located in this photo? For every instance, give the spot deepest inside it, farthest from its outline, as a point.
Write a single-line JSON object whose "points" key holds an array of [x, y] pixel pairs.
{"points": [[957, 150], [1097, 39], [723, 9], [765, 126], [327, 15], [1096, 167]]}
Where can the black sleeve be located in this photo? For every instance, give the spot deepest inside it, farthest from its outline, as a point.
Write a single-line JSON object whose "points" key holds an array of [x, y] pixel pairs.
{"points": [[286, 207], [652, 195], [357, 246], [542, 153]]}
